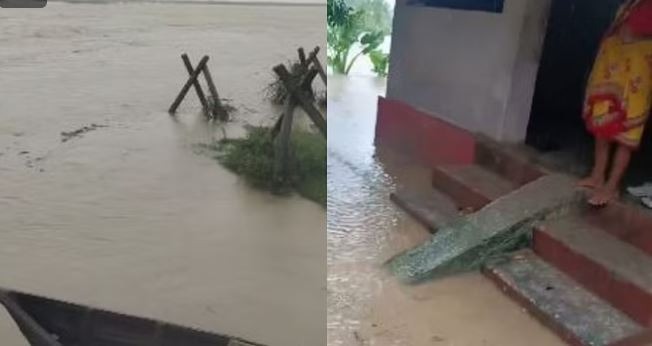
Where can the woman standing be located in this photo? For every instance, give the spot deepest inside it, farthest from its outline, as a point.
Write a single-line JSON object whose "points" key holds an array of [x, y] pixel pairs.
{"points": [[619, 96]]}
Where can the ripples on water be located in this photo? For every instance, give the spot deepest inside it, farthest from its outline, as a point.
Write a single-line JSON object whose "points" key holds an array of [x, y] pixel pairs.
{"points": [[358, 206], [360, 214], [358, 188]]}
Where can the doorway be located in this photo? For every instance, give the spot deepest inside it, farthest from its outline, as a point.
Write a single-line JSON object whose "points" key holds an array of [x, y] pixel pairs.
{"points": [[575, 28]]}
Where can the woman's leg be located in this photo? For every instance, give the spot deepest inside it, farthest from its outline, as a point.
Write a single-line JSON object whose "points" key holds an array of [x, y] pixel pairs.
{"points": [[600, 160], [610, 190]]}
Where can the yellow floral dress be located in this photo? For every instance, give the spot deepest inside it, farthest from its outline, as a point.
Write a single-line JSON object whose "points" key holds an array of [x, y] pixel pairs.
{"points": [[619, 91]]}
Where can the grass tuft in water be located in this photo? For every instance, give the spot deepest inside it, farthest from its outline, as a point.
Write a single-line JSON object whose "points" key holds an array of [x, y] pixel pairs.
{"points": [[252, 157], [276, 91], [226, 105]]}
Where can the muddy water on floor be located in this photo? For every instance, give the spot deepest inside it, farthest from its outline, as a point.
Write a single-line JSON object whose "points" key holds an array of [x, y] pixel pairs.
{"points": [[128, 215], [366, 306]]}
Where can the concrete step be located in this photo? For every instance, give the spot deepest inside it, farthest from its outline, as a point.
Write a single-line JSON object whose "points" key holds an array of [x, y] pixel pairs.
{"points": [[612, 269], [578, 316], [430, 208], [470, 186]]}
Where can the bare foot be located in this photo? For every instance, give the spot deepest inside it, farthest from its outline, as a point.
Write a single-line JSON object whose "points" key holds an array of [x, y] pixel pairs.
{"points": [[603, 195], [591, 182]]}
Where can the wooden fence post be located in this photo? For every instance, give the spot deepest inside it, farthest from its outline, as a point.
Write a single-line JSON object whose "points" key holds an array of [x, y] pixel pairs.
{"points": [[200, 92], [315, 61], [191, 80], [302, 56], [305, 85], [283, 140], [218, 109], [301, 98]]}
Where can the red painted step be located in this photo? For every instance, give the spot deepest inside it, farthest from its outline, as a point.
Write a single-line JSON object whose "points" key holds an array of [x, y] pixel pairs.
{"points": [[514, 167], [430, 208], [494, 173], [470, 186], [641, 339], [470, 169], [612, 269], [629, 223]]}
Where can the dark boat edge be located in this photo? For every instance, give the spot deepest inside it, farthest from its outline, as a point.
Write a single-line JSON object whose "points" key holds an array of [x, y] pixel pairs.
{"points": [[50, 322]]}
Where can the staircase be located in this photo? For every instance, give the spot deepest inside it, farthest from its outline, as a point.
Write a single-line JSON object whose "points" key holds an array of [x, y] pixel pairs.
{"points": [[462, 189], [587, 275]]}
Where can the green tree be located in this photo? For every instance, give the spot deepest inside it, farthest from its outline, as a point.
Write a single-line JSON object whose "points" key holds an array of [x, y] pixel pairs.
{"points": [[376, 14], [345, 29]]}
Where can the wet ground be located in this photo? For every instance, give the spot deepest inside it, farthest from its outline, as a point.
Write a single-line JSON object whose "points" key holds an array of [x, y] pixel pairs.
{"points": [[126, 214], [367, 306]]}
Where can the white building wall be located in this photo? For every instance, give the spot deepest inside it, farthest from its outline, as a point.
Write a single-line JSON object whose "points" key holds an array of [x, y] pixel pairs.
{"points": [[474, 69]]}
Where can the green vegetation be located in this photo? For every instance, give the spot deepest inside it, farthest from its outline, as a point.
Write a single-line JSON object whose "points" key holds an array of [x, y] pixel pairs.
{"points": [[310, 165], [276, 90], [380, 62], [348, 27], [252, 157], [376, 14]]}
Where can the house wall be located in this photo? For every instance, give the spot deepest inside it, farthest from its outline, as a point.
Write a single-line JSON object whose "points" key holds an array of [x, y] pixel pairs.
{"points": [[476, 70]]}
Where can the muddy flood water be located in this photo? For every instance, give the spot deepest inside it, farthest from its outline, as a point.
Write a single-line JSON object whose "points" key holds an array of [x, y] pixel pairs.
{"points": [[127, 214], [366, 305]]}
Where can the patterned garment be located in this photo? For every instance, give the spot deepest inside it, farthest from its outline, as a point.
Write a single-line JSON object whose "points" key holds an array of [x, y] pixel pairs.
{"points": [[619, 91]]}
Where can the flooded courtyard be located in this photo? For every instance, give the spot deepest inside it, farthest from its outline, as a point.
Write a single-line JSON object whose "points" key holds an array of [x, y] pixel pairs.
{"points": [[366, 305], [127, 214]]}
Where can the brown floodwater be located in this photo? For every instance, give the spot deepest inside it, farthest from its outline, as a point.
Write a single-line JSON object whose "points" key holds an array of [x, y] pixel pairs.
{"points": [[11, 335], [366, 305], [130, 215]]}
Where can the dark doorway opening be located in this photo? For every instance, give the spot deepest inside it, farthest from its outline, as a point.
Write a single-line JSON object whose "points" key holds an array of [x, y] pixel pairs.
{"points": [[575, 28]]}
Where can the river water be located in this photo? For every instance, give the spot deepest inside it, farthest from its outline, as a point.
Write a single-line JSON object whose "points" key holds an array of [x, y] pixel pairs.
{"points": [[130, 216]]}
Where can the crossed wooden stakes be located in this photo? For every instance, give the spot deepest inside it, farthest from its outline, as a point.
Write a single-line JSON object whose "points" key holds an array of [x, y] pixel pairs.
{"points": [[214, 111], [300, 94], [314, 60]]}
